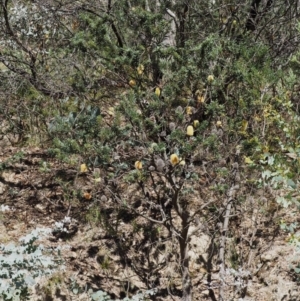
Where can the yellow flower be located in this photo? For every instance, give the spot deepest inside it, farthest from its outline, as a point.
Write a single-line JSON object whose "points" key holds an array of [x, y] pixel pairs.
{"points": [[111, 111], [189, 110], [196, 123], [174, 159], [140, 69], [200, 98], [83, 168], [132, 83], [190, 130], [182, 162], [138, 165], [219, 124], [210, 78], [157, 91]]}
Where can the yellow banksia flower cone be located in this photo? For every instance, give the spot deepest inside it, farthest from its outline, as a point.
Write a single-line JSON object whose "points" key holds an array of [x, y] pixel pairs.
{"points": [[157, 91], [174, 159], [190, 130], [138, 165], [182, 162], [200, 99], [111, 111], [83, 168], [132, 83], [196, 123], [219, 124], [210, 78], [140, 69], [189, 110]]}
